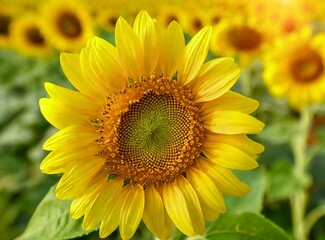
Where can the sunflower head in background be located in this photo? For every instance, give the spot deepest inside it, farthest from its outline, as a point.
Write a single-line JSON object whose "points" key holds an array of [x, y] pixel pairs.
{"points": [[194, 19], [7, 14], [295, 68], [286, 17], [27, 37], [171, 12], [67, 24], [241, 37], [151, 132]]}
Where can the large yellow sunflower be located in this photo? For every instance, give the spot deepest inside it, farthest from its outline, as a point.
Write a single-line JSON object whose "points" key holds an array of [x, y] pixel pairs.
{"points": [[295, 68], [67, 23], [27, 38], [152, 132]]}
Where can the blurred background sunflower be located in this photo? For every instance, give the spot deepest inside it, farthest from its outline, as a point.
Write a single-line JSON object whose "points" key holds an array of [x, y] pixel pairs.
{"points": [[67, 24], [28, 38], [279, 46]]}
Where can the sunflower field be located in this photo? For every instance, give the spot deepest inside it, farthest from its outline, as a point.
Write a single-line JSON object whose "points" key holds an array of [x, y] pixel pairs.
{"points": [[175, 120]]}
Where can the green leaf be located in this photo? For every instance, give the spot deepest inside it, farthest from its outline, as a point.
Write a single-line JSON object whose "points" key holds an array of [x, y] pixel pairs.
{"points": [[282, 182], [252, 201], [280, 131], [51, 221], [247, 226], [317, 138]]}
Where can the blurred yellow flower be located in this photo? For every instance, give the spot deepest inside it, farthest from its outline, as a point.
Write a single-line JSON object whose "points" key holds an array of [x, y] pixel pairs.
{"points": [[286, 16], [170, 12], [27, 37], [67, 23], [295, 68], [240, 37], [6, 17], [152, 132]]}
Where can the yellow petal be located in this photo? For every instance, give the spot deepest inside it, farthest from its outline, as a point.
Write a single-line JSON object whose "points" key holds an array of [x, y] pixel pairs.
{"points": [[129, 49], [223, 178], [112, 215], [209, 195], [229, 157], [80, 205], [193, 205], [74, 182], [230, 101], [240, 141], [61, 116], [64, 160], [95, 213], [176, 208], [83, 201], [196, 52], [71, 138], [154, 214], [145, 29], [214, 79], [74, 100], [70, 64], [132, 212], [232, 122], [87, 67], [95, 59], [172, 50]]}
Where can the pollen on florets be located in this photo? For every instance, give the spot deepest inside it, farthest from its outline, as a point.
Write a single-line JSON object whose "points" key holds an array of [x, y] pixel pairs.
{"points": [[151, 132]]}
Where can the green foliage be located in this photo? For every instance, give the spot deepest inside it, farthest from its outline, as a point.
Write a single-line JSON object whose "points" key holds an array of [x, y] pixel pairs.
{"points": [[252, 201], [280, 131], [22, 132], [51, 220], [246, 226], [282, 182]]}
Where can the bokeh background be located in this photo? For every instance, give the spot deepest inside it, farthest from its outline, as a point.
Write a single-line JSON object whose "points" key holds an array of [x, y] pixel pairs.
{"points": [[33, 33]]}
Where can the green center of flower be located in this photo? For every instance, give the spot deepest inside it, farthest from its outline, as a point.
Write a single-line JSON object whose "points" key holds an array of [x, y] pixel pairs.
{"points": [[307, 66], [151, 132], [69, 25], [244, 38]]}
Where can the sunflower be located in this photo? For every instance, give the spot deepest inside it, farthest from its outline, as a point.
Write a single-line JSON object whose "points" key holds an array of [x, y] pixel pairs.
{"points": [[6, 18], [286, 16], [152, 132], [194, 19], [171, 12], [107, 16], [240, 37], [295, 68], [68, 24], [27, 37]]}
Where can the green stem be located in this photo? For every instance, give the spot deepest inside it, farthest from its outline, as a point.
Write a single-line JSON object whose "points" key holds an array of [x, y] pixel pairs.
{"points": [[312, 218], [245, 81], [197, 237], [299, 199]]}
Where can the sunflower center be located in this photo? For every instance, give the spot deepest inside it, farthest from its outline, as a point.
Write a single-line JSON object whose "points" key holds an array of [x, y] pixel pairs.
{"points": [[197, 23], [112, 21], [34, 36], [170, 17], [244, 38], [151, 132], [307, 66], [69, 25], [4, 25]]}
